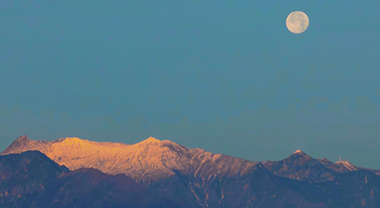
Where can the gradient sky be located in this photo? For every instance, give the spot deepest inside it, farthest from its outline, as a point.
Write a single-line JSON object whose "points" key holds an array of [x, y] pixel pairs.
{"points": [[224, 76]]}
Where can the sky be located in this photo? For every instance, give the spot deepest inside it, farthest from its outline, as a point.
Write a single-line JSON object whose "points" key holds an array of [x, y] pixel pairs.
{"points": [[224, 76]]}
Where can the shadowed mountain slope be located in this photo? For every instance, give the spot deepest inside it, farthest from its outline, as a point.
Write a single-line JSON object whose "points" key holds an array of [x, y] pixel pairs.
{"points": [[31, 179]]}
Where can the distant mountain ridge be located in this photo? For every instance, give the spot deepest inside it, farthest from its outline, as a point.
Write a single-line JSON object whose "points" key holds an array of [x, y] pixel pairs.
{"points": [[153, 159], [146, 161], [197, 178]]}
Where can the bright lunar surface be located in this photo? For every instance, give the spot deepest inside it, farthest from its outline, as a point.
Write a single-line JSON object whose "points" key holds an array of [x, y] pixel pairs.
{"points": [[297, 22]]}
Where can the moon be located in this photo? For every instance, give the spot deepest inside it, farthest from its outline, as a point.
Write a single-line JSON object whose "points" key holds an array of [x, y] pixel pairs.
{"points": [[297, 22]]}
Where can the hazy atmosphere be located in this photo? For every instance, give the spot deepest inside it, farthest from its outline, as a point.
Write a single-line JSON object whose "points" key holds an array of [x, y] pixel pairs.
{"points": [[224, 76]]}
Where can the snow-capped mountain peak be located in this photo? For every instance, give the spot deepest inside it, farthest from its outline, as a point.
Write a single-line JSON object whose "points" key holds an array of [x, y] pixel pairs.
{"points": [[74, 141], [150, 140], [20, 143], [347, 165], [300, 152]]}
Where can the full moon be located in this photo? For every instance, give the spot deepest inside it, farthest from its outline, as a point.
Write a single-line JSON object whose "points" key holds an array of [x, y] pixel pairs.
{"points": [[297, 22]]}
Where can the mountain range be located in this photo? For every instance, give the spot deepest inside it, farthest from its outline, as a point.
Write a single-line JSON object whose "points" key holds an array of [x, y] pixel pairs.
{"points": [[171, 175]]}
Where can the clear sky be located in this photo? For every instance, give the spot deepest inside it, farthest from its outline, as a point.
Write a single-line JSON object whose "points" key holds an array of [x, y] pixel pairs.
{"points": [[224, 76]]}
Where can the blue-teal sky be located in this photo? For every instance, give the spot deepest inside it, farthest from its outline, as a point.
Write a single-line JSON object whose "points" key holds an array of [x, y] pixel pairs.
{"points": [[225, 76]]}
